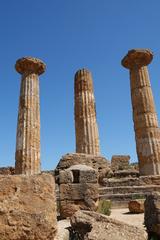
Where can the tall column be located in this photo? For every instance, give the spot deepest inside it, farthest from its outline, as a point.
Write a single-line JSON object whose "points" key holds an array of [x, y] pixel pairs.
{"points": [[87, 137], [28, 128], [147, 132]]}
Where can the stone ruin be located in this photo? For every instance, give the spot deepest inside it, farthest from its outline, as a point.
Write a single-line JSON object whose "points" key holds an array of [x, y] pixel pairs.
{"points": [[152, 215], [78, 190], [27, 202], [99, 163], [120, 162], [126, 185]]}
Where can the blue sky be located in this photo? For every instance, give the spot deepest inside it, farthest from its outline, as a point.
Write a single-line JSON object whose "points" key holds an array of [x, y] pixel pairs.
{"points": [[68, 35]]}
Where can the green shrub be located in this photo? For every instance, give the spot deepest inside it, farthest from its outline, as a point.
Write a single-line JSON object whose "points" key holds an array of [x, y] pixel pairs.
{"points": [[138, 196], [104, 207]]}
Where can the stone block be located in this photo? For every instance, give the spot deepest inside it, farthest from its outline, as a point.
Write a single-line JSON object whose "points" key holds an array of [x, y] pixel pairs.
{"points": [[68, 208], [120, 162], [126, 173], [83, 174], [152, 213], [65, 176], [78, 191], [27, 207], [90, 176], [70, 159], [136, 206], [93, 226]]}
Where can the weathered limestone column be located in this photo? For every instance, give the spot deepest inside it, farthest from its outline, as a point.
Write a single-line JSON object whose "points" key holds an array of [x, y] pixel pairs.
{"points": [[87, 137], [28, 128], [147, 132]]}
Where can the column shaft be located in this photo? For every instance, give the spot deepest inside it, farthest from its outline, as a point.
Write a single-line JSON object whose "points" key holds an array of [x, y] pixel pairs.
{"points": [[28, 129], [87, 137], [147, 132]]}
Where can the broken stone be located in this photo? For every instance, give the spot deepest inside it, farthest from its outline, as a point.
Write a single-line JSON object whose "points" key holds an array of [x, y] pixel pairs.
{"points": [[94, 226], [136, 206], [152, 213]]}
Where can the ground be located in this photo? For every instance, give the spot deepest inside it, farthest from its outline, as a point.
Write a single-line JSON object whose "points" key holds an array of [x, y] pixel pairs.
{"points": [[125, 216]]}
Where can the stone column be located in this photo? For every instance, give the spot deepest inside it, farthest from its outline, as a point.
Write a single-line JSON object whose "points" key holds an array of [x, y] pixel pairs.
{"points": [[147, 132], [28, 128], [87, 137]]}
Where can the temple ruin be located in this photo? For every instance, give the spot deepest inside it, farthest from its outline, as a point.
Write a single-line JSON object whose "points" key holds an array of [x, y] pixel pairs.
{"points": [[84, 177]]}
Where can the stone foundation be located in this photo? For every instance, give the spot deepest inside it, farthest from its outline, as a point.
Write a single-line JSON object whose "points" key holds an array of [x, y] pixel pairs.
{"points": [[122, 190]]}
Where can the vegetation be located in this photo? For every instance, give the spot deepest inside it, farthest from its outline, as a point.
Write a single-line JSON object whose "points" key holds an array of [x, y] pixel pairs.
{"points": [[104, 207], [138, 196]]}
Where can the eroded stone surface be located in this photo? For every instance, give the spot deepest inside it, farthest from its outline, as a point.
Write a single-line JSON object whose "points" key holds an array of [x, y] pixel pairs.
{"points": [[136, 206], [147, 132], [99, 163], [30, 65], [152, 213], [7, 171], [93, 226], [28, 128], [27, 207], [120, 162], [78, 189], [87, 136], [62, 231], [138, 57]]}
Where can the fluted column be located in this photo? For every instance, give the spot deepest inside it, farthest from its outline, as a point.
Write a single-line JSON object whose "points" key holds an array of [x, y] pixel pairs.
{"points": [[87, 137], [28, 128], [147, 132]]}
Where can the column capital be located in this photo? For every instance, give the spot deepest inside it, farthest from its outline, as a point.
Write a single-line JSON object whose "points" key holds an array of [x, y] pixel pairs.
{"points": [[30, 65], [137, 57]]}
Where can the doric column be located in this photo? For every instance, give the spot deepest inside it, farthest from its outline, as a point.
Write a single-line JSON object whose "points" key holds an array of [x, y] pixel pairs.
{"points": [[28, 127], [87, 137], [147, 132]]}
